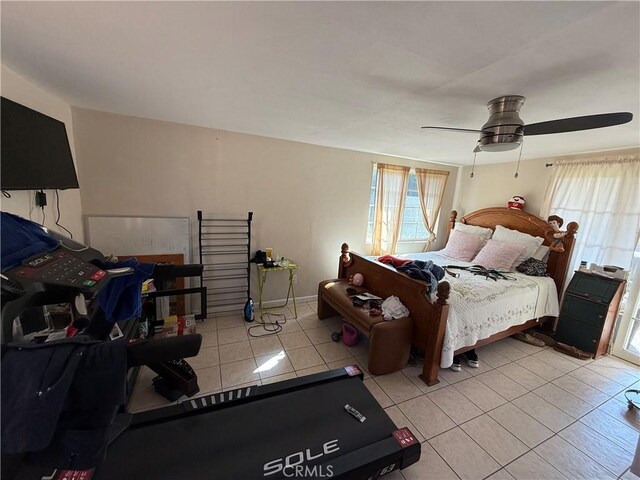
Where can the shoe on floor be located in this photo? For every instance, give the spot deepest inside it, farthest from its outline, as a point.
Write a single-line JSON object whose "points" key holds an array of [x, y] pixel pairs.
{"points": [[457, 364], [530, 339], [472, 359]]}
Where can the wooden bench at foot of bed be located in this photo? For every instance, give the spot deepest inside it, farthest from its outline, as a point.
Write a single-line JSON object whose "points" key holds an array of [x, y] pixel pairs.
{"points": [[389, 341]]}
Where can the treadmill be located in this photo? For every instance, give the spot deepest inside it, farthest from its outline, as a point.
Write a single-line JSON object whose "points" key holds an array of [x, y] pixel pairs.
{"points": [[296, 428], [326, 425]]}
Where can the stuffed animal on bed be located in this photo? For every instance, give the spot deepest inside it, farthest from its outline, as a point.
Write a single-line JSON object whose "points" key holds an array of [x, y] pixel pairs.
{"points": [[516, 202]]}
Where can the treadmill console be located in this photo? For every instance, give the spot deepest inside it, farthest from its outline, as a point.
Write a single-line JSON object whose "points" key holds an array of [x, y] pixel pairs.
{"points": [[60, 269]]}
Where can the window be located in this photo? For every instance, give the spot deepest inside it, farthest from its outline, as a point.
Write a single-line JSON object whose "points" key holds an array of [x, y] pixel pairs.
{"points": [[413, 228], [601, 195]]}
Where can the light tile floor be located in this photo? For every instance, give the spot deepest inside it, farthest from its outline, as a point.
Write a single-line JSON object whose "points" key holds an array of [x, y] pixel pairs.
{"points": [[527, 413]]}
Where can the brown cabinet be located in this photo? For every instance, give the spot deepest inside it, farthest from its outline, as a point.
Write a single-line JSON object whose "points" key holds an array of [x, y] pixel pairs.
{"points": [[589, 312]]}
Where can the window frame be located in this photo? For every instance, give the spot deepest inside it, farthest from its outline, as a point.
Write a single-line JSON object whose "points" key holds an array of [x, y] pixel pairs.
{"points": [[418, 223]]}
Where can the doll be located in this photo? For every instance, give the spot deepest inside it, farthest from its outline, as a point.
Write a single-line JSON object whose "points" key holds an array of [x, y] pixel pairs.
{"points": [[556, 245]]}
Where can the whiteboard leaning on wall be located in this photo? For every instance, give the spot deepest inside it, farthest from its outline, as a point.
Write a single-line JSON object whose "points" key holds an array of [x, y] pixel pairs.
{"points": [[120, 235]]}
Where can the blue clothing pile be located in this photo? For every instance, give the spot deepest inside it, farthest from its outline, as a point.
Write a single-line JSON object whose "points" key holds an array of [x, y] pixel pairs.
{"points": [[21, 239], [421, 270], [121, 299]]}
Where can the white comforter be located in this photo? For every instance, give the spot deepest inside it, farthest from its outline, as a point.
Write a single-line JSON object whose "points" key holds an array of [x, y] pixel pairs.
{"points": [[480, 307]]}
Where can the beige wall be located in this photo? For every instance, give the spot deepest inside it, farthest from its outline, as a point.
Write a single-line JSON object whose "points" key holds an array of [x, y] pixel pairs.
{"points": [[493, 185], [306, 199], [21, 90]]}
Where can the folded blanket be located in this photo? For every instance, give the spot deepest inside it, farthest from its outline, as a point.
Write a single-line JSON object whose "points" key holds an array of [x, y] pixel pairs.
{"points": [[427, 271], [393, 261]]}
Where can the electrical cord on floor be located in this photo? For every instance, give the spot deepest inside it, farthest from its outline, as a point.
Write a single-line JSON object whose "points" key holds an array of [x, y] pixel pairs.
{"points": [[268, 325], [631, 403]]}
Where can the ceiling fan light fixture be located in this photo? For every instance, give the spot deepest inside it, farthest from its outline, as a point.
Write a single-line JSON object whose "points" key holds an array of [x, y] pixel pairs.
{"points": [[501, 142]]}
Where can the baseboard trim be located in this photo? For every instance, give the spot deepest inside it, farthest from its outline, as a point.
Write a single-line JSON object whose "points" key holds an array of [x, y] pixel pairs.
{"points": [[273, 303], [237, 309]]}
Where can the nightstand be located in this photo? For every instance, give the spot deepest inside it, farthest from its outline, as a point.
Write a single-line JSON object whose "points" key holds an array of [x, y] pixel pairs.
{"points": [[589, 311]]}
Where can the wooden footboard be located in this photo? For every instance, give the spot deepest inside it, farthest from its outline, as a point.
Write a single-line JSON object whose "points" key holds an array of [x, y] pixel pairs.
{"points": [[429, 318]]}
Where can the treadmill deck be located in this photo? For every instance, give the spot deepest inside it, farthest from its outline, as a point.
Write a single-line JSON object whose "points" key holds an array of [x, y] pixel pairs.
{"points": [[248, 440]]}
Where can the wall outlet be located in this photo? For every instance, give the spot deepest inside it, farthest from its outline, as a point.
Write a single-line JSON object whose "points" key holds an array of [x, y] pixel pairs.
{"points": [[295, 279]]}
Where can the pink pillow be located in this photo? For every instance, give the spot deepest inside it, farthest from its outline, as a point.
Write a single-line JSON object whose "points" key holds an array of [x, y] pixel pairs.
{"points": [[463, 246], [499, 255]]}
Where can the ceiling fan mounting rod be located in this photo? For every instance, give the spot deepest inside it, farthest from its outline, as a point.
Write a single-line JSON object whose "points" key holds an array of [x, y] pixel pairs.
{"points": [[507, 103]]}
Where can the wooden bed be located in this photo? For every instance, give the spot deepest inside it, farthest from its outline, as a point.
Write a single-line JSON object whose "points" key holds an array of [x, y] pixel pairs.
{"points": [[430, 318]]}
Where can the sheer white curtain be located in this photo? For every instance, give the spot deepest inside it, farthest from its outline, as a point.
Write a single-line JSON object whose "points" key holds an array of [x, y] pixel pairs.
{"points": [[603, 196], [431, 185], [391, 191]]}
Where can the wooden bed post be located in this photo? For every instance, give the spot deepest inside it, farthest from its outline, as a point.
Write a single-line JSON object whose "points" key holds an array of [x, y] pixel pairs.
{"points": [[452, 223], [435, 339]]}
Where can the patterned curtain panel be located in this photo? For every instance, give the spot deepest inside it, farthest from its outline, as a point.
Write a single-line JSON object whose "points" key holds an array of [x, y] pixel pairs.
{"points": [[391, 191], [431, 185], [603, 196]]}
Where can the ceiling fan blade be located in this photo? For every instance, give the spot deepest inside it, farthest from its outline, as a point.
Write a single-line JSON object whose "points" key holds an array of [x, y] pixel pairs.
{"points": [[578, 123], [454, 129]]}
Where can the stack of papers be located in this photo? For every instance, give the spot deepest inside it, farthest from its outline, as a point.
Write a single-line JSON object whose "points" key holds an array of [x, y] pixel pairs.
{"points": [[367, 296]]}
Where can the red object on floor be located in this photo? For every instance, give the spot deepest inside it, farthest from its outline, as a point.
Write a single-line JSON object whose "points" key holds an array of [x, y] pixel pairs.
{"points": [[349, 335], [394, 261]]}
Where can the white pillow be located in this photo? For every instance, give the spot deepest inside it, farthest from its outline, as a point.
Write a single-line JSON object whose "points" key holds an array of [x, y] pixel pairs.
{"points": [[530, 242], [542, 253], [484, 233]]}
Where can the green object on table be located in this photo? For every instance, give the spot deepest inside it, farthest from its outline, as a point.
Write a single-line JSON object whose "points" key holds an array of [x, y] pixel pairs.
{"points": [[262, 278]]}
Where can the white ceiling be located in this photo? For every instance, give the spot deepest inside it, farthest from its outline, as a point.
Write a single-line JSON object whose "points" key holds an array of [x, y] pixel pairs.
{"points": [[356, 75]]}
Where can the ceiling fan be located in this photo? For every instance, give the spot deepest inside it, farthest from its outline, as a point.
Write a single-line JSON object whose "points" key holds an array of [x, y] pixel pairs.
{"points": [[505, 129]]}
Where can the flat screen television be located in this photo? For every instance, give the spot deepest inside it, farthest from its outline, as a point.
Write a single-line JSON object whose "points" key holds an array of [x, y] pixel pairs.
{"points": [[35, 150]]}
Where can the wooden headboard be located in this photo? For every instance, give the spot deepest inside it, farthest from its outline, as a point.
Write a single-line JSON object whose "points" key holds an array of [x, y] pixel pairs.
{"points": [[558, 262]]}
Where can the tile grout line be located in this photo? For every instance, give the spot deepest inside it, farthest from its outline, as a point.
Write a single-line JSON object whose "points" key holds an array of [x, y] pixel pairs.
{"points": [[526, 453], [579, 449]]}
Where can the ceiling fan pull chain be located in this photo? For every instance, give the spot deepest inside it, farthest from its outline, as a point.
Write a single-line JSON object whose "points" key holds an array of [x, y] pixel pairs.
{"points": [[474, 165], [519, 157]]}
